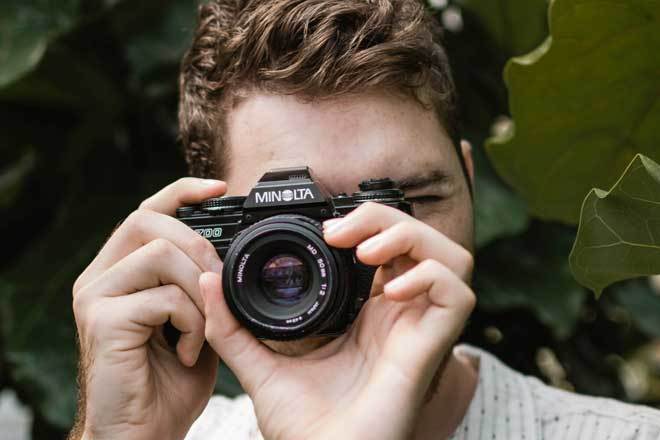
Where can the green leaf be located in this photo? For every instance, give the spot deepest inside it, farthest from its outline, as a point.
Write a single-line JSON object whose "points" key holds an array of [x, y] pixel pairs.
{"points": [[26, 30], [642, 303], [498, 212], [518, 26], [66, 79], [227, 384], [11, 178], [165, 40], [619, 233], [531, 271], [584, 103]]}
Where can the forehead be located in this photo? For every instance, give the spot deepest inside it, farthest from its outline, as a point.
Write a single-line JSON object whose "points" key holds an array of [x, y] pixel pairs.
{"points": [[344, 140]]}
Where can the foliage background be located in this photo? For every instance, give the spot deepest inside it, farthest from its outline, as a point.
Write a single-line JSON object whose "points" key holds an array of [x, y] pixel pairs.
{"points": [[88, 129]]}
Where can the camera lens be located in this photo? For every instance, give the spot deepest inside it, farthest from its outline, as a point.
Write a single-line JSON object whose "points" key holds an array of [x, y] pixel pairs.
{"points": [[281, 280], [285, 279]]}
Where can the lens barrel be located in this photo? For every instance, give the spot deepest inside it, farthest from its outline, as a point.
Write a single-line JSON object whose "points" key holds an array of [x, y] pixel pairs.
{"points": [[281, 280]]}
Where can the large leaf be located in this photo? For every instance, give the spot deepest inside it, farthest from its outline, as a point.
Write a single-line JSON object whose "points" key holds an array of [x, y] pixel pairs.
{"points": [[619, 233], [26, 29], [584, 103], [517, 26]]}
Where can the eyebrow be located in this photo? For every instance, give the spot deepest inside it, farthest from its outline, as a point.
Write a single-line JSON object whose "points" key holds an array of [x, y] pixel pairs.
{"points": [[423, 181]]}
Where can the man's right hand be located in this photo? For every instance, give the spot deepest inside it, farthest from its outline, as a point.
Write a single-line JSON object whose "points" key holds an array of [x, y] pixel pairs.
{"points": [[133, 385]]}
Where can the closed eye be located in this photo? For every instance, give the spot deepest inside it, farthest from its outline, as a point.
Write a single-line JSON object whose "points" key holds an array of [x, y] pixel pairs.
{"points": [[422, 200]]}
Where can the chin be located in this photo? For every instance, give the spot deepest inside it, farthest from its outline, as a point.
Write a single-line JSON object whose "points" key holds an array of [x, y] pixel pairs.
{"points": [[299, 347]]}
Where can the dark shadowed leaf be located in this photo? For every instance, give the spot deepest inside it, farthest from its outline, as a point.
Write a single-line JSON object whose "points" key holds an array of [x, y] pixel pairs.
{"points": [[498, 212], [166, 38], [11, 178], [642, 303], [26, 29], [517, 26], [531, 271], [227, 383], [619, 233]]}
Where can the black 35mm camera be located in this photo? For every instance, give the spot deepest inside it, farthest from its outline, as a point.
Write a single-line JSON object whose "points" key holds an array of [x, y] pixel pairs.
{"points": [[280, 278]]}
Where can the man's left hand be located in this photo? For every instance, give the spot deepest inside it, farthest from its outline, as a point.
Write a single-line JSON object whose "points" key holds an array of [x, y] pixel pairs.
{"points": [[371, 381]]}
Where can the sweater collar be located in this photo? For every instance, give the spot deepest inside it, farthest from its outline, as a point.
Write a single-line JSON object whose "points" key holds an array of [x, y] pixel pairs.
{"points": [[502, 407]]}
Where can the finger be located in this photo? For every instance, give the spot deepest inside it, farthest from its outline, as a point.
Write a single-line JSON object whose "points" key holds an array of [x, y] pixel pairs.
{"points": [[450, 302], [424, 278], [183, 192], [158, 263], [250, 360], [388, 271], [449, 295], [154, 307], [368, 219], [419, 241], [142, 227]]}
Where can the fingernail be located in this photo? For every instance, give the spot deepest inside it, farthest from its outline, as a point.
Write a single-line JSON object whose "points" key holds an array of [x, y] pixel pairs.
{"points": [[332, 226], [209, 182], [370, 244]]}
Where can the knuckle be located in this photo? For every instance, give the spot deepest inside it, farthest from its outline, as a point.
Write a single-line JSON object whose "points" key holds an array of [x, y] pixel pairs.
{"points": [[160, 248], [432, 266], [184, 181], [96, 320], [175, 295], [372, 207], [78, 305], [145, 203], [210, 333], [182, 184], [407, 229], [466, 299], [78, 285], [464, 260], [199, 327], [438, 272], [201, 246], [136, 219], [470, 299]]}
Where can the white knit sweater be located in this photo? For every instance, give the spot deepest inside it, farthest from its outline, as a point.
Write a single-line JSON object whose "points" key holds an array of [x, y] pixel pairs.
{"points": [[506, 405]]}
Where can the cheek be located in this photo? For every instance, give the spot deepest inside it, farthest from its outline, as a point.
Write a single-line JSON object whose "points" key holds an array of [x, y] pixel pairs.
{"points": [[455, 220], [464, 229]]}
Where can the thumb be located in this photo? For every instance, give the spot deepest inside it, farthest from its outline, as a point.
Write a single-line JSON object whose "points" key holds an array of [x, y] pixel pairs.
{"points": [[250, 360]]}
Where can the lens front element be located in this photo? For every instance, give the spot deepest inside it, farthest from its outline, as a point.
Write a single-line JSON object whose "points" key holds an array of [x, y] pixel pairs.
{"points": [[285, 279]]}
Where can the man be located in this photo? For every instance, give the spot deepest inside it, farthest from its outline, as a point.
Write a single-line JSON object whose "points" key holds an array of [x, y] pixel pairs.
{"points": [[355, 90]]}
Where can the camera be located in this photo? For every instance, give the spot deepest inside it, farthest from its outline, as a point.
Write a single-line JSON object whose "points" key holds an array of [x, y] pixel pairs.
{"points": [[281, 280]]}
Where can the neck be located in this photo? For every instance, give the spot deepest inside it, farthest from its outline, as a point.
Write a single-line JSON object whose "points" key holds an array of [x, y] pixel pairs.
{"points": [[442, 415]]}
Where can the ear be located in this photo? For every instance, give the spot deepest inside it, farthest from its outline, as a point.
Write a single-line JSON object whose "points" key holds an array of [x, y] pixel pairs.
{"points": [[466, 151]]}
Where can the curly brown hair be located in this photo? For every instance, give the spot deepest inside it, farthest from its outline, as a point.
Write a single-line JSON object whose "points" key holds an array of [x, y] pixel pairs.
{"points": [[313, 49]]}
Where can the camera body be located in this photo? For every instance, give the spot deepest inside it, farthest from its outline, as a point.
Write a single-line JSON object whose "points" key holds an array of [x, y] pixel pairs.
{"points": [[280, 279]]}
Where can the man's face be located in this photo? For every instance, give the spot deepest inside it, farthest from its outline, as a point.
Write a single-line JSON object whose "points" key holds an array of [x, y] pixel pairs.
{"points": [[347, 140]]}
